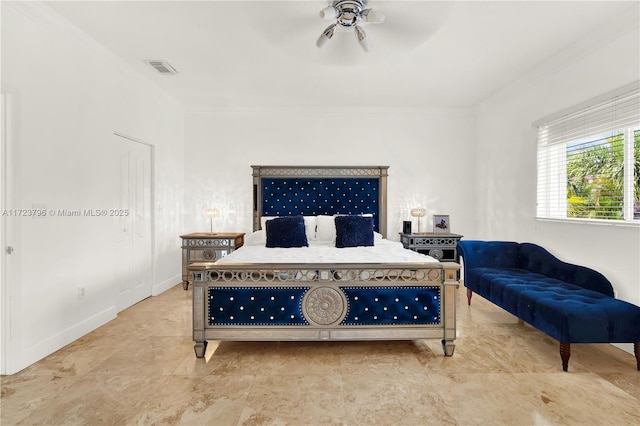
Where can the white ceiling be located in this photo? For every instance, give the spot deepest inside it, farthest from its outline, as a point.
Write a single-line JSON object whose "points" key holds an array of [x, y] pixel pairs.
{"points": [[262, 54]]}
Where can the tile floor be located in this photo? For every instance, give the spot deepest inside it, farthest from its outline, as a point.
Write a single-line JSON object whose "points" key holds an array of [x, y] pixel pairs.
{"points": [[141, 369]]}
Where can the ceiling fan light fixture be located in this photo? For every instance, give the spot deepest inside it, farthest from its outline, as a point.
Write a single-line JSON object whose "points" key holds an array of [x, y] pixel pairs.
{"points": [[361, 36], [326, 35], [348, 18], [372, 17], [329, 12], [348, 14]]}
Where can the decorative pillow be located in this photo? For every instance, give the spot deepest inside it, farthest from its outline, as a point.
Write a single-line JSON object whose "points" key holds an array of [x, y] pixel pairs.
{"points": [[354, 231], [309, 224], [286, 232], [326, 229]]}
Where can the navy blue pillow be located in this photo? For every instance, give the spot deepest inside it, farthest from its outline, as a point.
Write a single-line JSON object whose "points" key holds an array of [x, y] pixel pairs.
{"points": [[354, 231], [286, 232]]}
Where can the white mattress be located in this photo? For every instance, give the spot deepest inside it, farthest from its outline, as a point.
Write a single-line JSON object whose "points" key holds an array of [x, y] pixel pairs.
{"points": [[383, 251]]}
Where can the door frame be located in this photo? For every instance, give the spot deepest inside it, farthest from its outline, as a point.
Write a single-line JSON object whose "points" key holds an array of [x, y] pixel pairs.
{"points": [[9, 230], [152, 187]]}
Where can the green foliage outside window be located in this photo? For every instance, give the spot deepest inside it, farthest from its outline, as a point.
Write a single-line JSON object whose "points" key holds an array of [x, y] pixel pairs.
{"points": [[595, 178]]}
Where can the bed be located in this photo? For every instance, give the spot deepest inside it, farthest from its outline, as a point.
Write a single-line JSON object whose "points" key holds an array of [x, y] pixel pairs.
{"points": [[347, 282]]}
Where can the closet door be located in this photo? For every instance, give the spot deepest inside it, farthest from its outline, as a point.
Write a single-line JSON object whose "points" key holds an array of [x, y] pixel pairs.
{"points": [[135, 245]]}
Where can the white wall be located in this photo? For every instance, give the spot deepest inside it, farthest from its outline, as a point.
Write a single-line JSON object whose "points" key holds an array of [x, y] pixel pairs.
{"points": [[70, 95], [430, 153], [506, 174]]}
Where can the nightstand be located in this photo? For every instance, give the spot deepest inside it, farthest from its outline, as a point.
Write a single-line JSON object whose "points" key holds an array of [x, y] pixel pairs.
{"points": [[440, 246], [207, 247]]}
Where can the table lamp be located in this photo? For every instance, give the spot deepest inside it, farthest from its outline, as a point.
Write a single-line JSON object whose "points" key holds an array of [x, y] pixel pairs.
{"points": [[419, 213], [211, 213]]}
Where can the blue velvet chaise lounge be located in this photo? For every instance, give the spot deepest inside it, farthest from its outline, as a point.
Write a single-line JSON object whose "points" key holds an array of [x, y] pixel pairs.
{"points": [[570, 303]]}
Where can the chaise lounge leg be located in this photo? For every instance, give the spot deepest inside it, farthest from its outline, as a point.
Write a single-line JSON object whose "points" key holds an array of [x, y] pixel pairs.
{"points": [[565, 353], [469, 294], [636, 351]]}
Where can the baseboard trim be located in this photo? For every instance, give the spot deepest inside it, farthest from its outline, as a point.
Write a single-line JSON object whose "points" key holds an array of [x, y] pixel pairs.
{"points": [[165, 285], [47, 347], [627, 347]]}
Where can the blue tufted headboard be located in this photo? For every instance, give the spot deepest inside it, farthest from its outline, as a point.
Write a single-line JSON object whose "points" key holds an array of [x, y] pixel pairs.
{"points": [[320, 190]]}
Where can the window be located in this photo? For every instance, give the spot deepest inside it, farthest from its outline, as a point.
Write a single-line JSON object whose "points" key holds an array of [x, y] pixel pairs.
{"points": [[589, 160]]}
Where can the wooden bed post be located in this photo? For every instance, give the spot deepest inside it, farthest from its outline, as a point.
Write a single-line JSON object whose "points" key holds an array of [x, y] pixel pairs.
{"points": [[199, 316], [449, 318], [383, 174], [636, 351]]}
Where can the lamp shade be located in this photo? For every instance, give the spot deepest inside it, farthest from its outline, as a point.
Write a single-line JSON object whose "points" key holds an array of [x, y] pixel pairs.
{"points": [[211, 213], [418, 212]]}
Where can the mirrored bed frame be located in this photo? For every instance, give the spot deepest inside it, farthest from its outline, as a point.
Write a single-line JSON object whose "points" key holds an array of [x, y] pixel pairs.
{"points": [[320, 301]]}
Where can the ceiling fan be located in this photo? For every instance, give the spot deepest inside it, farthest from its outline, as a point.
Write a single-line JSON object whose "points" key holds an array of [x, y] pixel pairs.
{"points": [[348, 14]]}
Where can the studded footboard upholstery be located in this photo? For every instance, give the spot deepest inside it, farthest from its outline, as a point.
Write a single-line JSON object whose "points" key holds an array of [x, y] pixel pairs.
{"points": [[329, 302]]}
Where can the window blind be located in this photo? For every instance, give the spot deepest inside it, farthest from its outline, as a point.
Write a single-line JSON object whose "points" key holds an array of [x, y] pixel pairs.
{"points": [[588, 159], [620, 109]]}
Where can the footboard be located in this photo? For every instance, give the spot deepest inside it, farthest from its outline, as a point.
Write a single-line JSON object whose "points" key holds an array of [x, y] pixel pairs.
{"points": [[324, 302]]}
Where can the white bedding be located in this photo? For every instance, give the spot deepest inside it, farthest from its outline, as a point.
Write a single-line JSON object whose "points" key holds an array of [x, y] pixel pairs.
{"points": [[383, 251]]}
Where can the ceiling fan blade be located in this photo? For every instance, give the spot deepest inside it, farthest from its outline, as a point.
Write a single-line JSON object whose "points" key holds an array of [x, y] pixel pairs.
{"points": [[291, 28], [283, 22], [410, 24]]}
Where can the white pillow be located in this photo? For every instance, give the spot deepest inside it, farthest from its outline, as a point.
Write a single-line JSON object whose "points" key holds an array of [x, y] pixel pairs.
{"points": [[309, 225], [263, 221], [326, 229]]}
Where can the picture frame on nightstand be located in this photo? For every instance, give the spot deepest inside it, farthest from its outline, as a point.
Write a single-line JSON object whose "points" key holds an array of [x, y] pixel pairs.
{"points": [[441, 224]]}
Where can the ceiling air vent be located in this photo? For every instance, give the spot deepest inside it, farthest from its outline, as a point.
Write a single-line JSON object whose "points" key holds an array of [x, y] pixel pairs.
{"points": [[161, 66]]}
